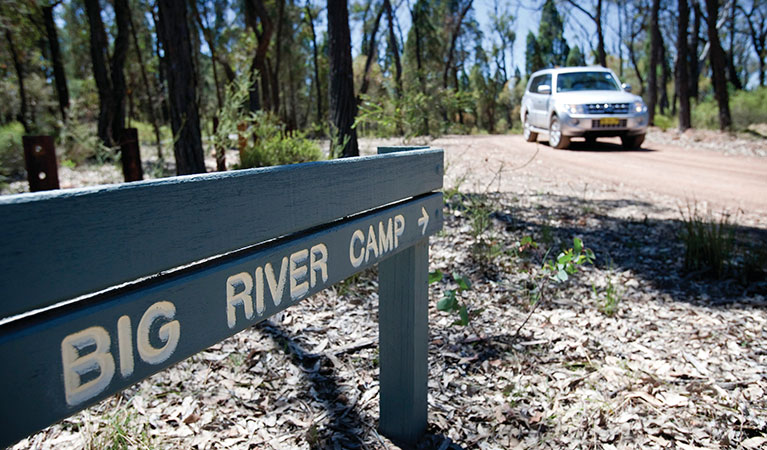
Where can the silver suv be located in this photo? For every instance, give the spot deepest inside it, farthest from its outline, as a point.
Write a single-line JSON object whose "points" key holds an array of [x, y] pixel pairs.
{"points": [[586, 102]]}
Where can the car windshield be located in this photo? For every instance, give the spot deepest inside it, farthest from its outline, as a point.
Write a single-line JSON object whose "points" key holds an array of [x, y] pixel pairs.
{"points": [[586, 81]]}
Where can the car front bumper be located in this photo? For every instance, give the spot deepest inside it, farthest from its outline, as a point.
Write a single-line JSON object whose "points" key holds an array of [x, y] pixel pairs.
{"points": [[596, 125]]}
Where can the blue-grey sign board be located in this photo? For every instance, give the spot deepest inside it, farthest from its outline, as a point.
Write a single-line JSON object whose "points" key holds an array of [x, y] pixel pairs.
{"points": [[62, 360]]}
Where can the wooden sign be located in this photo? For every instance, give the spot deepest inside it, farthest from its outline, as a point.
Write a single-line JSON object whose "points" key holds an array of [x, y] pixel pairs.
{"points": [[70, 355]]}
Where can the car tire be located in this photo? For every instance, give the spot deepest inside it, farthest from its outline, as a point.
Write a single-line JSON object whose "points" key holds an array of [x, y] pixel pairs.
{"points": [[530, 135], [556, 139], [632, 142]]}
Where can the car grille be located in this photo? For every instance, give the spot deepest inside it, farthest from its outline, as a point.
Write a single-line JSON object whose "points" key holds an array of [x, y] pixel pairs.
{"points": [[597, 124], [607, 108]]}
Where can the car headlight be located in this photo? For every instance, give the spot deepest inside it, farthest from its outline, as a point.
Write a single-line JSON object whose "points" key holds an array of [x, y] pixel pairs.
{"points": [[639, 106], [574, 109]]}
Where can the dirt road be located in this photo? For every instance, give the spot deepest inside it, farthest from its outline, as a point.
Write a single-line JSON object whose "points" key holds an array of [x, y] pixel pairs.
{"points": [[657, 170]]}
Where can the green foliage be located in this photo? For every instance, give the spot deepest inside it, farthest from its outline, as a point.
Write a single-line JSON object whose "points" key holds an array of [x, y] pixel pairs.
{"points": [[121, 432], [78, 141], [567, 262], [275, 146], [11, 152], [746, 108], [665, 122], [708, 242], [451, 302], [609, 299], [268, 143], [575, 57]]}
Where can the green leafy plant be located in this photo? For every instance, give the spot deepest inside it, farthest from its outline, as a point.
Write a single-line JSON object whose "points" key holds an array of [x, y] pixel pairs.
{"points": [[558, 270], [11, 152], [451, 302], [610, 298], [267, 142]]}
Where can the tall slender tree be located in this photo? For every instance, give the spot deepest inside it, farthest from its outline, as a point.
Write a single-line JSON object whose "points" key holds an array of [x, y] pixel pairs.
{"points": [[343, 106], [182, 85], [59, 74], [718, 62], [596, 17], [682, 66], [655, 53]]}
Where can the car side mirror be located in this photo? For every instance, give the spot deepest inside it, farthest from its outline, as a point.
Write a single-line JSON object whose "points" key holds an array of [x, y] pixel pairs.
{"points": [[626, 87], [544, 89]]}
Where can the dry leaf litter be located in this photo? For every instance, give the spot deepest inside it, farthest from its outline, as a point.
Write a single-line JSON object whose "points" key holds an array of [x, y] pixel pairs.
{"points": [[681, 363]]}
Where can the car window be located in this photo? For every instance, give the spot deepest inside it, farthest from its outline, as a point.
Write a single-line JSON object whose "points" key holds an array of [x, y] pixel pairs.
{"points": [[539, 80], [587, 81]]}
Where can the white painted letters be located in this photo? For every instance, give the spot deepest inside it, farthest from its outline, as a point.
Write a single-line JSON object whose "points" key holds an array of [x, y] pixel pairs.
{"points": [[298, 271], [276, 288], [318, 262], [125, 344], [356, 260], [372, 243], [399, 228], [241, 298], [169, 333], [385, 238], [76, 365]]}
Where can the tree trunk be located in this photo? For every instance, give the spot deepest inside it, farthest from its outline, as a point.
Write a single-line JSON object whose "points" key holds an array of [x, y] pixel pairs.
{"points": [[59, 75], [600, 36], [635, 63], [275, 77], [664, 74], [394, 48], [694, 66], [419, 65], [120, 53], [22, 117], [343, 107], [100, 61], [185, 122], [731, 71], [453, 39], [718, 61], [652, 79], [149, 90], [682, 67], [371, 50], [257, 18], [317, 83]]}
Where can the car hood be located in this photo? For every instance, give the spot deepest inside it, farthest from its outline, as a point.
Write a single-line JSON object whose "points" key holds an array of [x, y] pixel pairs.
{"points": [[580, 97]]}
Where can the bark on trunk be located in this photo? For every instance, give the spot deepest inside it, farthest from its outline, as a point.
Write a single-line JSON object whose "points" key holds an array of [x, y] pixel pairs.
{"points": [[394, 48], [343, 107], [100, 62], [117, 75], [317, 84], [664, 74], [149, 90], [694, 66], [718, 62], [371, 50], [652, 79], [600, 36], [682, 67], [257, 18], [22, 117], [185, 122], [453, 39], [59, 75]]}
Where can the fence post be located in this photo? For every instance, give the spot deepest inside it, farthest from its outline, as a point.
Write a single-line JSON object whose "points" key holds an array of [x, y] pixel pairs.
{"points": [[403, 329], [130, 155], [40, 161]]}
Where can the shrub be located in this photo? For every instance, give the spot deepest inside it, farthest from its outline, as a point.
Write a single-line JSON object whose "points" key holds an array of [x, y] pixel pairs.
{"points": [[268, 142], [11, 152], [274, 145], [746, 108]]}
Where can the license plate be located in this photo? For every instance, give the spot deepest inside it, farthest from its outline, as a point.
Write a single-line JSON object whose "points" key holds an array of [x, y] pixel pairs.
{"points": [[610, 121]]}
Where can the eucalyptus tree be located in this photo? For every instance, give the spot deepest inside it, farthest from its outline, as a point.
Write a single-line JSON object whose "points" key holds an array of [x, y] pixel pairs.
{"points": [[718, 63], [343, 105]]}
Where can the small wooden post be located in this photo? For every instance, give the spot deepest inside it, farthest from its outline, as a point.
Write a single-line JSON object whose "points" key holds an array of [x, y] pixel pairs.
{"points": [[403, 329], [40, 161], [130, 155]]}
